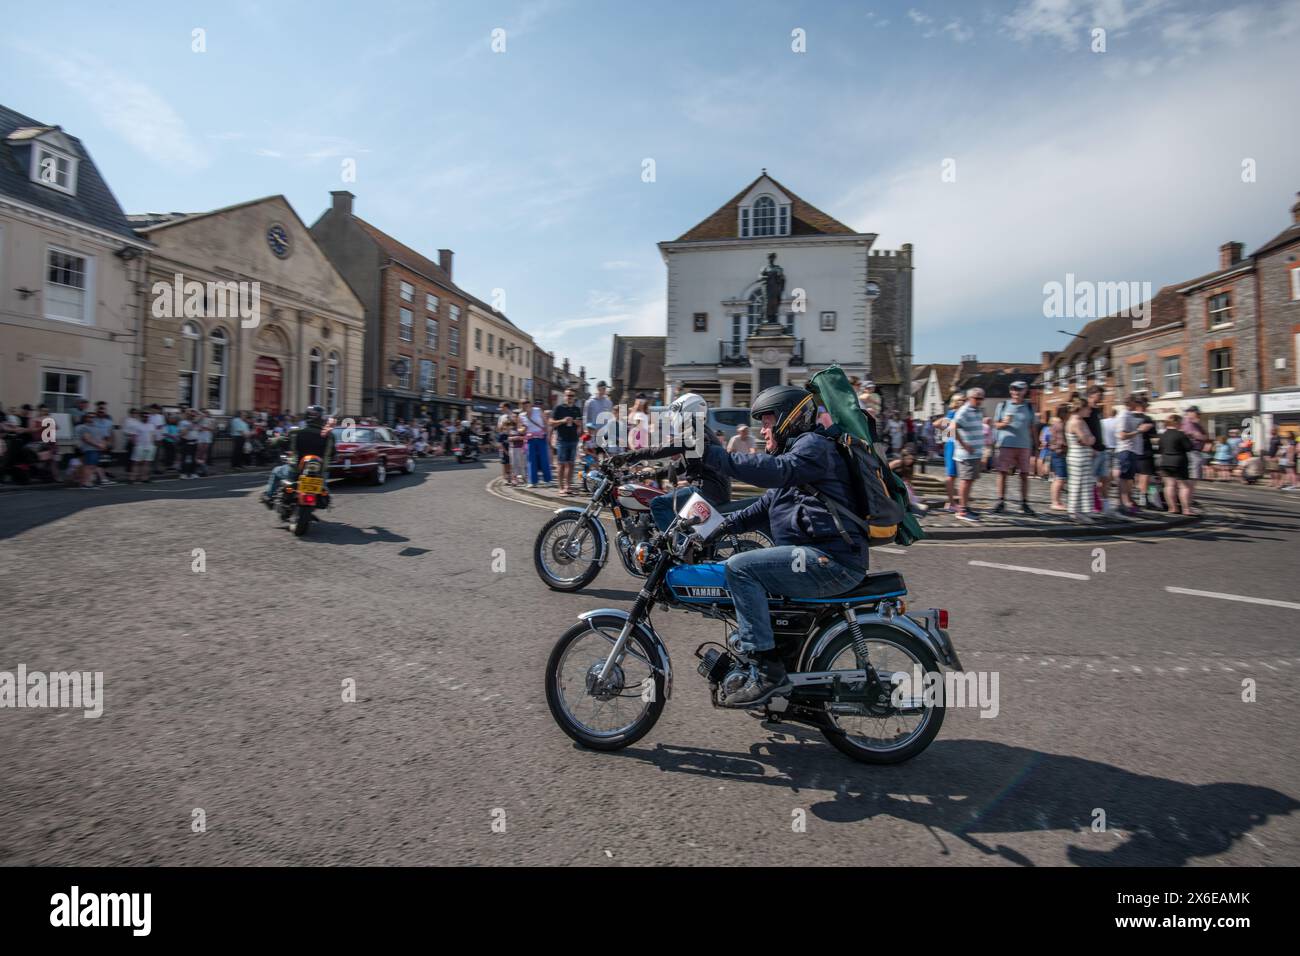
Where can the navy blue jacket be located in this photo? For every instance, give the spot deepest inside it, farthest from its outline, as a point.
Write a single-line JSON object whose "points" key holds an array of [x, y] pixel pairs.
{"points": [[796, 518]]}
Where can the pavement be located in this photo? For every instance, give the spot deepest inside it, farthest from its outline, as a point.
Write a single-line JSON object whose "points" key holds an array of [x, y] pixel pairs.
{"points": [[372, 694]]}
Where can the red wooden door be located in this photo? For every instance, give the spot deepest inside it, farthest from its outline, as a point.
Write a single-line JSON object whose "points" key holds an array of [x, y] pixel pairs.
{"points": [[267, 379]]}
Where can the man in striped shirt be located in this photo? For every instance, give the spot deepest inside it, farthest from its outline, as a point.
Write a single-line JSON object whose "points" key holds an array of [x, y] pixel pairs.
{"points": [[968, 432]]}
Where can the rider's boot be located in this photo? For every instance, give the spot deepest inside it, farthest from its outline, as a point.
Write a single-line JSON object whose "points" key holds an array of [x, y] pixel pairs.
{"points": [[769, 680]]}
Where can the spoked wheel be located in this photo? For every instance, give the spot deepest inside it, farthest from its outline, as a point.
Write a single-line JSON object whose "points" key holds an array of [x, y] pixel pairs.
{"points": [[301, 520], [739, 543], [380, 474], [614, 714], [567, 552], [409, 468], [883, 734]]}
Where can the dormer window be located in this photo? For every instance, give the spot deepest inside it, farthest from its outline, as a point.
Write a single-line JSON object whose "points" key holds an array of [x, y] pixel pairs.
{"points": [[764, 217], [53, 168]]}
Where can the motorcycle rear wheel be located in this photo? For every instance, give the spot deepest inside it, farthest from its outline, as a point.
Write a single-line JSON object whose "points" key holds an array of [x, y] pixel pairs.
{"points": [[552, 563], [867, 738], [301, 520], [611, 721]]}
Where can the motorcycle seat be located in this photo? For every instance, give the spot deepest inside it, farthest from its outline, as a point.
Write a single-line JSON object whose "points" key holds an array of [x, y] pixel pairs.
{"points": [[873, 587]]}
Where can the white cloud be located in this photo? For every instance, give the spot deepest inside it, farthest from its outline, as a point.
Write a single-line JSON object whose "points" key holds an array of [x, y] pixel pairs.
{"points": [[919, 18], [1068, 22], [130, 108], [1126, 188], [575, 339], [958, 30]]}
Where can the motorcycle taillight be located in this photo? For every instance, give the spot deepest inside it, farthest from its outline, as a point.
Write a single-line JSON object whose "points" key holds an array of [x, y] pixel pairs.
{"points": [[309, 499]]}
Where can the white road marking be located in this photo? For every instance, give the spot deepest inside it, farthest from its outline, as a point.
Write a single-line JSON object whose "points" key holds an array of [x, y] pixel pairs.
{"points": [[1232, 597], [879, 550], [1017, 567]]}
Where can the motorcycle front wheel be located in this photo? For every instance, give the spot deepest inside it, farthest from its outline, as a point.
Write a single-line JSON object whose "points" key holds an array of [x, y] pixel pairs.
{"points": [[612, 716], [567, 552]]}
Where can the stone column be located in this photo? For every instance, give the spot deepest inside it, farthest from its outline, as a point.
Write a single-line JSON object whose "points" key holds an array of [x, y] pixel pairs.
{"points": [[727, 397]]}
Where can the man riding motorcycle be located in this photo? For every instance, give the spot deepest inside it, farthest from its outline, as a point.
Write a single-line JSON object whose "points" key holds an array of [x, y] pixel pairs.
{"points": [[311, 438], [815, 555]]}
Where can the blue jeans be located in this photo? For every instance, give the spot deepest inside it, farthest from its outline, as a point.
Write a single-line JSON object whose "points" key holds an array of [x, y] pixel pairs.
{"points": [[788, 571], [278, 474], [539, 460]]}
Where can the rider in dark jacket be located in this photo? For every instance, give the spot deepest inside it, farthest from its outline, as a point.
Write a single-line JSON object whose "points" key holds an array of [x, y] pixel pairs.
{"points": [[811, 557], [311, 439]]}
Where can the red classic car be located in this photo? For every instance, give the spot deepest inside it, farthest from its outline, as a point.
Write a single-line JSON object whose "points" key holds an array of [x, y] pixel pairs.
{"points": [[369, 450]]}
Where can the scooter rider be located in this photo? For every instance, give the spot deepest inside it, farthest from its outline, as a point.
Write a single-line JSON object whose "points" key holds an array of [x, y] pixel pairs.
{"points": [[813, 556], [310, 438]]}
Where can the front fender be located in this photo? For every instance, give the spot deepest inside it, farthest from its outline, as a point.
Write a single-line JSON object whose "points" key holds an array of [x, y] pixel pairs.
{"points": [[647, 631]]}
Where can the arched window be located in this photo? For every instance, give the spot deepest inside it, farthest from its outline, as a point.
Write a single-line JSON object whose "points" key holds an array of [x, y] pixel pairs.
{"points": [[332, 383], [313, 379], [764, 216], [217, 360], [187, 393]]}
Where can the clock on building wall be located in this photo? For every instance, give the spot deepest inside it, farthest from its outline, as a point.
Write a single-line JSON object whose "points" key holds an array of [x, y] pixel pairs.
{"points": [[277, 237]]}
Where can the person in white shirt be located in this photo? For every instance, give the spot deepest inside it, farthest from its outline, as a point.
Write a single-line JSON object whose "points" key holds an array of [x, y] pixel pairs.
{"points": [[239, 429], [743, 442], [142, 436]]}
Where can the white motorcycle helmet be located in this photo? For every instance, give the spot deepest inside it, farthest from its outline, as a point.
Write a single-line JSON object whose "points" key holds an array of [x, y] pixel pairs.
{"points": [[688, 415]]}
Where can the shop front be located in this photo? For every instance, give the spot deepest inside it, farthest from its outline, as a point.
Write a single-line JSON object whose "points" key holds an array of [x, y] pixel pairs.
{"points": [[1281, 410]]}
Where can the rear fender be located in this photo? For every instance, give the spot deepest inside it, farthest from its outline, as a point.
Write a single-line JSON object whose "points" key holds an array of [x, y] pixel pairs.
{"points": [[616, 619], [818, 640]]}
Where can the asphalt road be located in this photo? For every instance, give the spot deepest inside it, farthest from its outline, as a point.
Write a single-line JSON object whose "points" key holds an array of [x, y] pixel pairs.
{"points": [[223, 694]]}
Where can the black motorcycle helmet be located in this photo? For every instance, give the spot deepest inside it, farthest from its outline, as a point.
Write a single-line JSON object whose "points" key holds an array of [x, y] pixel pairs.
{"points": [[314, 413], [795, 410]]}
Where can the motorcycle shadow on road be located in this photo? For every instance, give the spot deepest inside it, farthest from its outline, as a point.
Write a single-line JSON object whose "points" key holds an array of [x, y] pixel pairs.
{"points": [[335, 532], [964, 787]]}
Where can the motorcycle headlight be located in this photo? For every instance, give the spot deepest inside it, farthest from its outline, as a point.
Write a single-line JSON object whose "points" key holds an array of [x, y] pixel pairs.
{"points": [[641, 554]]}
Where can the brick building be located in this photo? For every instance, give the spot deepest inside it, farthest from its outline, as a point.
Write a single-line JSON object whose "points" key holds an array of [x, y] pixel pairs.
{"points": [[416, 317], [1277, 278], [1227, 342]]}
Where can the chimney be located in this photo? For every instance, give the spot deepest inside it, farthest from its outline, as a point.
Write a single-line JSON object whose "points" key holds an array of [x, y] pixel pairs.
{"points": [[969, 366], [342, 202], [1295, 210], [444, 261], [1229, 254]]}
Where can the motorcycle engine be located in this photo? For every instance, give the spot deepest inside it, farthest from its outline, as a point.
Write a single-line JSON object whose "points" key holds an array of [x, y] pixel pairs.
{"points": [[723, 671]]}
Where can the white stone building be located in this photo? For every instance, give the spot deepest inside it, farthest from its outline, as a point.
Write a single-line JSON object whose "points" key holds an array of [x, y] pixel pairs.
{"points": [[843, 303]]}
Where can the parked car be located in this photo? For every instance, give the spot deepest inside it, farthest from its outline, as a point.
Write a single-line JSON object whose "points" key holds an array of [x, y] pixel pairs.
{"points": [[370, 451]]}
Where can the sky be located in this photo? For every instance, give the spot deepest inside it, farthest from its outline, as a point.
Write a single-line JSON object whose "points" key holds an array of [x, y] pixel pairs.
{"points": [[995, 137]]}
